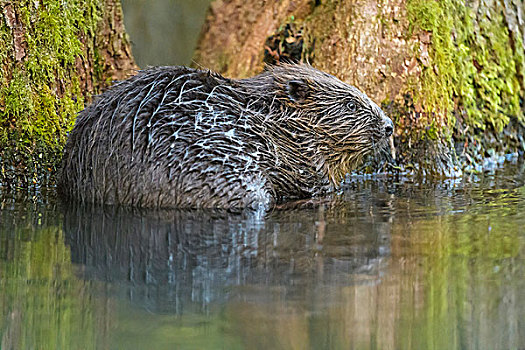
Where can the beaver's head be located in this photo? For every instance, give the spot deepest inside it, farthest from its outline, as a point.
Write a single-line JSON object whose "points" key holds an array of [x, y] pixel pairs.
{"points": [[344, 122]]}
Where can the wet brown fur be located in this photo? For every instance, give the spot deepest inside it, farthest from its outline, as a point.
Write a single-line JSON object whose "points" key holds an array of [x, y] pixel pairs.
{"points": [[180, 137]]}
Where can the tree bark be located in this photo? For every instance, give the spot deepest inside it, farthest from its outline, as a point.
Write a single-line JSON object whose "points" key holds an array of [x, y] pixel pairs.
{"points": [[54, 56], [449, 72]]}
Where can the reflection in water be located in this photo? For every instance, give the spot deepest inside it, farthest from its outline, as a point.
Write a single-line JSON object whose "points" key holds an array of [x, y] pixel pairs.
{"points": [[42, 304], [390, 265], [191, 256]]}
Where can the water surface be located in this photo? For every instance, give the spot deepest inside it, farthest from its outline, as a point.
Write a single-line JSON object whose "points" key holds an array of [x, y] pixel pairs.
{"points": [[386, 264]]}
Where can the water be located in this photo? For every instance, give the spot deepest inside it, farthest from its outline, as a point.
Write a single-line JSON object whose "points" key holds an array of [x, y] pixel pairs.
{"points": [[387, 264]]}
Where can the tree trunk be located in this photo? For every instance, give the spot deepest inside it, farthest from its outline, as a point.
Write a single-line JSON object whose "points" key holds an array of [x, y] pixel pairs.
{"points": [[54, 55], [449, 72]]}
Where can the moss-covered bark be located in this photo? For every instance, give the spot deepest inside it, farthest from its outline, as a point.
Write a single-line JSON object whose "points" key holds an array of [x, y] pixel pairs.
{"points": [[450, 72], [54, 55]]}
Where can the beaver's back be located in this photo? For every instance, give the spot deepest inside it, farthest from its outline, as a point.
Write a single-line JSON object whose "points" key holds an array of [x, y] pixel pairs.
{"points": [[168, 137]]}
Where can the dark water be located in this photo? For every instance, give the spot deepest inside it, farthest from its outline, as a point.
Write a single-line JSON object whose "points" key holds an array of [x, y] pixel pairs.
{"points": [[387, 265], [164, 32]]}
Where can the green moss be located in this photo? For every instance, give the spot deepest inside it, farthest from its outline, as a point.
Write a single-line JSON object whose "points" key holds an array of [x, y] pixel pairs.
{"points": [[434, 91], [473, 67], [41, 93]]}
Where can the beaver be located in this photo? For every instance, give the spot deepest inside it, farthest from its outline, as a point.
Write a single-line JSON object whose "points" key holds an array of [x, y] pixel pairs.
{"points": [[188, 138]]}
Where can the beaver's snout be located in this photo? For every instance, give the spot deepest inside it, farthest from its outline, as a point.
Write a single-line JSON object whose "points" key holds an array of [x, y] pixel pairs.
{"points": [[388, 126]]}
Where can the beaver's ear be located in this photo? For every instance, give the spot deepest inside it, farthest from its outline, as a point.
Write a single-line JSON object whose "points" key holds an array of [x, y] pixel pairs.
{"points": [[298, 90]]}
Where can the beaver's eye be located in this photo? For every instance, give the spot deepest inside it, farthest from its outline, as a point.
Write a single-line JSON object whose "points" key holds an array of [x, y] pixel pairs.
{"points": [[352, 107]]}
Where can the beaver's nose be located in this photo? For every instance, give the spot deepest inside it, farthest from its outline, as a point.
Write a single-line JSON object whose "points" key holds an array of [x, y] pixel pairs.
{"points": [[389, 126]]}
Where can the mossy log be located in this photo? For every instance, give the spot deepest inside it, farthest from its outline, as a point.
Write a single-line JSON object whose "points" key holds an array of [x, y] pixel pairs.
{"points": [[54, 55], [449, 72]]}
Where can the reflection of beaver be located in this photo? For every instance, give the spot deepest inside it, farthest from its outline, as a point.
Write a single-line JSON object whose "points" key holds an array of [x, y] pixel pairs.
{"points": [[196, 256], [179, 137]]}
